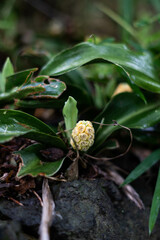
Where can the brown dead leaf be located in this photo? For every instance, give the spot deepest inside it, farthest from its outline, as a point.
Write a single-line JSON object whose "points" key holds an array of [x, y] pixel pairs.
{"points": [[72, 172], [24, 185]]}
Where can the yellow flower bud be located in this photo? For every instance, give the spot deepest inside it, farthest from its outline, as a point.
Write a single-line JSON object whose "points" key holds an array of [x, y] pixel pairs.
{"points": [[82, 136]]}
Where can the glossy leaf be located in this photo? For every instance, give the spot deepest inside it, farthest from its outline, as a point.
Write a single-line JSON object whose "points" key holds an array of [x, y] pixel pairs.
{"points": [[81, 96], [19, 78], [16, 123], [155, 205], [35, 89], [128, 110], [6, 71], [52, 89], [143, 167], [33, 163], [20, 93], [138, 67], [70, 114]]}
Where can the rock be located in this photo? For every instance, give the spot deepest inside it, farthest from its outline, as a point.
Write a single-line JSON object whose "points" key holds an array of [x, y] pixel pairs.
{"points": [[28, 215], [92, 210], [11, 230], [87, 212]]}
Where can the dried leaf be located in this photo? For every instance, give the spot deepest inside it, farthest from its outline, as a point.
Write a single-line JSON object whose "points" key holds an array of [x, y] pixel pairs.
{"points": [[25, 184], [113, 175], [48, 211], [128, 189], [72, 172]]}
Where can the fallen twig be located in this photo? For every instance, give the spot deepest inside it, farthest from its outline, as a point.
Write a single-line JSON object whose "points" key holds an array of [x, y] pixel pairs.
{"points": [[16, 201]]}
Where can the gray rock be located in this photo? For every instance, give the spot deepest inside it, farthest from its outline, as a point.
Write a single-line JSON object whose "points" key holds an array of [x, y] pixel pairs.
{"points": [[86, 210], [11, 230], [92, 210], [29, 215]]}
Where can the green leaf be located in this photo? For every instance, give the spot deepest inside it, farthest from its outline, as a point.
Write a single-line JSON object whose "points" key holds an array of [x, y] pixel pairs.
{"points": [[33, 163], [20, 93], [138, 67], [15, 123], [76, 92], [128, 110], [41, 103], [53, 88], [155, 205], [143, 167], [19, 78], [6, 71], [70, 114], [37, 89]]}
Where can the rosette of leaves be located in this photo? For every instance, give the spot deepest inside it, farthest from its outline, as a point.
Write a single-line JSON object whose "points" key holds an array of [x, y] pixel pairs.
{"points": [[126, 109]]}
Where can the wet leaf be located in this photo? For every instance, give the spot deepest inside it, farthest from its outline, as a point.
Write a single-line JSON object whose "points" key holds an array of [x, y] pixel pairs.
{"points": [[19, 78], [20, 93], [53, 88], [32, 163], [15, 123], [138, 67], [40, 87]]}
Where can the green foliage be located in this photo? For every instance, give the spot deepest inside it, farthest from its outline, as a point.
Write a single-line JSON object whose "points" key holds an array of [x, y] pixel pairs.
{"points": [[33, 162], [15, 123], [6, 71], [122, 22], [127, 11], [143, 167], [70, 114], [21, 85], [155, 205], [138, 171], [89, 73], [138, 67], [128, 110]]}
